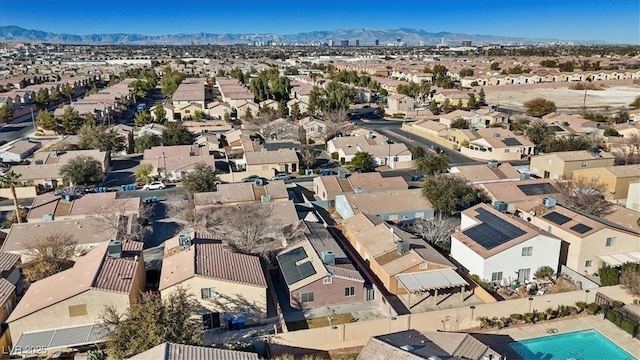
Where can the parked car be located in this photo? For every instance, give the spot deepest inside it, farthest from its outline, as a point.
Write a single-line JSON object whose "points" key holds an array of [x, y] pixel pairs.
{"points": [[251, 178], [281, 177], [327, 172], [156, 185], [418, 177], [366, 170]]}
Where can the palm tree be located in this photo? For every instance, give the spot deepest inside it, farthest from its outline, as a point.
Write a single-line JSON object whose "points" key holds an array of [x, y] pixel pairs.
{"points": [[11, 180]]}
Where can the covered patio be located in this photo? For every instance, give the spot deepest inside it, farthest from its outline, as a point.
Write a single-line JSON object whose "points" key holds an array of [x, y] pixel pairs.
{"points": [[431, 283], [38, 343], [617, 259]]}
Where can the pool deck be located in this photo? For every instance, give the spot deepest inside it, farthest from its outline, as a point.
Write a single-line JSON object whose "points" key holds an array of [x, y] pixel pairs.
{"points": [[605, 327]]}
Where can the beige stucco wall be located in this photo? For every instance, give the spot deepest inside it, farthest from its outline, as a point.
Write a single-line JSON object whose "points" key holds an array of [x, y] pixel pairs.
{"points": [[564, 169], [616, 188], [57, 315], [24, 192], [232, 298]]}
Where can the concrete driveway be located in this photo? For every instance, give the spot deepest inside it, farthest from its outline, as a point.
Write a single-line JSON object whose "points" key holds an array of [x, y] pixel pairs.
{"points": [[123, 170]]}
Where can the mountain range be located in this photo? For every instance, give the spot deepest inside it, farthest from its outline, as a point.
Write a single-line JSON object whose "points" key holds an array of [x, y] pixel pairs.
{"points": [[365, 37]]}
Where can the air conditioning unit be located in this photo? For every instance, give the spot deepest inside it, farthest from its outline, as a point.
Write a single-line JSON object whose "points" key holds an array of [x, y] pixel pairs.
{"points": [[328, 257], [549, 202], [114, 249], [500, 206], [184, 241]]}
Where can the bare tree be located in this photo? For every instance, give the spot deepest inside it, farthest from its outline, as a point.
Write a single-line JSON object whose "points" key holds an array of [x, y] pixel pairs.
{"points": [[50, 254], [627, 150], [630, 280], [585, 195], [337, 122], [245, 227], [186, 213], [115, 215], [436, 231], [308, 156]]}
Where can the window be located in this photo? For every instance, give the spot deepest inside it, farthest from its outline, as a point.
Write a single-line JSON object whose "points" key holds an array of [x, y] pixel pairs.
{"points": [[187, 111], [77, 310], [584, 164], [548, 161], [611, 241], [423, 266], [208, 293], [211, 321], [527, 251], [588, 263], [327, 280], [496, 276], [549, 229], [306, 297], [524, 274], [506, 150], [350, 291]]}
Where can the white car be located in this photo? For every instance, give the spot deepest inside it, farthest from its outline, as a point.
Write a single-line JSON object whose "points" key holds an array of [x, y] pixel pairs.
{"points": [[156, 185]]}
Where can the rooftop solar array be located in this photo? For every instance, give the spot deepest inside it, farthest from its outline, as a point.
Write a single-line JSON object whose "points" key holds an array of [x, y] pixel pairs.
{"points": [[581, 228], [493, 231], [511, 142], [557, 218], [292, 272], [537, 189]]}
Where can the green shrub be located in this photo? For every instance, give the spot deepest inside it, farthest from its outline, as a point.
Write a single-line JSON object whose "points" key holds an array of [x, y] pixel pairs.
{"points": [[593, 308], [517, 317], [529, 318], [506, 321], [485, 321], [572, 310], [483, 284], [581, 305], [540, 316], [617, 304], [544, 272], [609, 276], [629, 326], [301, 171], [342, 161], [563, 311], [613, 316], [335, 155], [550, 313], [316, 171]]}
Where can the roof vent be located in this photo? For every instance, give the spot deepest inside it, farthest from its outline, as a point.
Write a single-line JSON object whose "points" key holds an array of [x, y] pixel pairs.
{"points": [[496, 134], [403, 247], [184, 241], [191, 153], [47, 217], [265, 198], [493, 164], [358, 190], [115, 249], [407, 347], [565, 123], [594, 150], [53, 153], [328, 257], [525, 176], [39, 161], [549, 202]]}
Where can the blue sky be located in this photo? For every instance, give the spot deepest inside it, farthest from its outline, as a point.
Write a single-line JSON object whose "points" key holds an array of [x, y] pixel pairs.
{"points": [[615, 21]]}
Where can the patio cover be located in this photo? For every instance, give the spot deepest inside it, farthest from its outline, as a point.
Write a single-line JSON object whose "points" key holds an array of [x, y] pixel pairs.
{"points": [[61, 338], [431, 280], [617, 259]]}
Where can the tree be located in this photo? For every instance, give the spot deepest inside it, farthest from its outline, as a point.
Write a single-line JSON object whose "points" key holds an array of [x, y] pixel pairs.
{"points": [[538, 132], [98, 137], [11, 180], [160, 114], [465, 72], [153, 321], [539, 107], [472, 103], [362, 160], [308, 156], [337, 122], [295, 111], [446, 192], [143, 173], [482, 97], [436, 231], [495, 66], [433, 164], [446, 106], [204, 178], [176, 134], [433, 107], [143, 118], [6, 112], [417, 152], [147, 141], [227, 117], [520, 125], [459, 123], [46, 120], [82, 170], [67, 90], [70, 121], [621, 117], [199, 115], [630, 278], [609, 276], [248, 115], [50, 254], [636, 103], [585, 195], [283, 110], [42, 99], [544, 272]]}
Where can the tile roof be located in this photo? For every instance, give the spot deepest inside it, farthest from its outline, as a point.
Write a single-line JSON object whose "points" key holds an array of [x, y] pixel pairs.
{"points": [[93, 270], [271, 157], [208, 258], [171, 351], [8, 261], [483, 173], [385, 202], [511, 191], [6, 290], [88, 204], [242, 192]]}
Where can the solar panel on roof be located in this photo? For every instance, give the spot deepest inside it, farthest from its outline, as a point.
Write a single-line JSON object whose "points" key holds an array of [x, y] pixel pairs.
{"points": [[493, 231], [511, 142], [537, 189], [557, 218], [293, 272], [581, 228]]}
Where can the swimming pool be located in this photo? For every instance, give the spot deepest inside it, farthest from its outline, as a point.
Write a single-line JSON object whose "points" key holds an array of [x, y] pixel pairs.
{"points": [[579, 345]]}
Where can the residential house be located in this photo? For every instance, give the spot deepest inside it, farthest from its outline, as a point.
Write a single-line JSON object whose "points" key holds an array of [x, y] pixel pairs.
{"points": [[326, 188], [87, 232], [217, 109], [447, 119], [225, 283], [492, 144], [574, 124], [8, 299], [190, 91], [400, 103], [415, 345], [630, 129], [241, 107], [318, 273], [633, 196], [172, 351], [172, 162], [500, 248], [99, 205], [589, 242], [187, 111], [19, 150], [169, 110], [394, 155], [63, 157], [399, 258], [430, 128], [210, 141], [560, 165], [269, 163], [269, 103], [492, 172], [237, 193], [615, 179], [511, 194], [396, 205], [151, 129], [10, 270], [303, 106], [64, 310], [455, 97]]}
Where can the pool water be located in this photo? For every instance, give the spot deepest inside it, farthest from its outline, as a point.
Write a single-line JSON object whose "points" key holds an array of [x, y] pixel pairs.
{"points": [[578, 345]]}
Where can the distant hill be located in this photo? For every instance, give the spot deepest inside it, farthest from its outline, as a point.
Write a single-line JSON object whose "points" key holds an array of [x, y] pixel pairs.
{"points": [[365, 36]]}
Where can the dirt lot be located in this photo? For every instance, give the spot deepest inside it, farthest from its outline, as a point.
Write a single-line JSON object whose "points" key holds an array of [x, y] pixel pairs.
{"points": [[565, 98]]}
